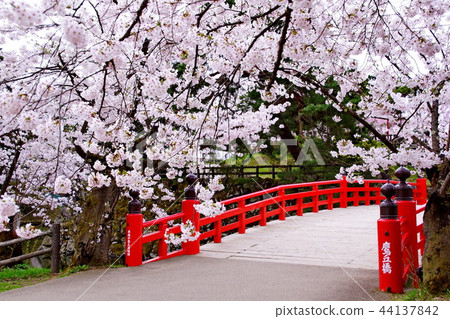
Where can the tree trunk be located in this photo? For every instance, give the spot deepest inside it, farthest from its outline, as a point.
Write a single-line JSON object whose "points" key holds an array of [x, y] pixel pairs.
{"points": [[93, 227], [294, 149], [436, 259]]}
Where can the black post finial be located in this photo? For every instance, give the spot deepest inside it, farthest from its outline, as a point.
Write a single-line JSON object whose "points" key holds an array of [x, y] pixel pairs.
{"points": [[403, 191], [189, 192], [388, 207], [134, 206]]}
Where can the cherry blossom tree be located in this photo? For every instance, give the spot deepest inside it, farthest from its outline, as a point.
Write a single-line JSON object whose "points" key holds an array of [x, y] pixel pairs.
{"points": [[84, 83]]}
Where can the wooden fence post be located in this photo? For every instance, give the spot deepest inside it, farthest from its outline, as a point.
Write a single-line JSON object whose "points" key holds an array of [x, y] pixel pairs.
{"points": [[56, 248]]}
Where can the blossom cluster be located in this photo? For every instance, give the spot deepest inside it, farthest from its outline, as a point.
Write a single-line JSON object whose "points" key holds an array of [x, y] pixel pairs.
{"points": [[8, 208], [27, 231], [188, 233], [63, 185]]}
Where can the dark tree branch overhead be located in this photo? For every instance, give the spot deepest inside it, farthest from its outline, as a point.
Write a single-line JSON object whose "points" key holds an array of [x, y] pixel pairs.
{"points": [[87, 155], [281, 44], [10, 174], [136, 20], [201, 14], [255, 17], [445, 185], [435, 126], [422, 143]]}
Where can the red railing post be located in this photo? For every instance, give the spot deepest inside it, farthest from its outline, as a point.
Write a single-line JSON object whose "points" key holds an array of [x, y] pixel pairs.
{"points": [[162, 246], [421, 191], [344, 192], [218, 231], [330, 201], [315, 199], [300, 206], [407, 211], [282, 214], [377, 196], [366, 193], [191, 214], [356, 197], [390, 264], [133, 245], [241, 217], [263, 213]]}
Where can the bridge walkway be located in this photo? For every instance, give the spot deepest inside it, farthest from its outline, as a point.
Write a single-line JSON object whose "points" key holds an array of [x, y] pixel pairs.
{"points": [[342, 237]]}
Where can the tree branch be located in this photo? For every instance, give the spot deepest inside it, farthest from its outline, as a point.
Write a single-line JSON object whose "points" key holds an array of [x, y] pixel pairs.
{"points": [[98, 16], [86, 155], [423, 144], [10, 172], [435, 126], [136, 20], [255, 17], [281, 44], [448, 140], [445, 185]]}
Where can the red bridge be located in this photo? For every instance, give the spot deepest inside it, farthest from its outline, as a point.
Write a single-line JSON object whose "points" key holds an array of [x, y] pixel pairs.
{"points": [[400, 236]]}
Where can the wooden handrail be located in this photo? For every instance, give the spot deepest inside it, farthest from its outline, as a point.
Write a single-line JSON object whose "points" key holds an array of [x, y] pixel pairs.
{"points": [[55, 232], [21, 240]]}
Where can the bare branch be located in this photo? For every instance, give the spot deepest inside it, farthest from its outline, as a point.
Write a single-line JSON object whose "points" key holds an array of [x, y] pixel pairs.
{"points": [[98, 16], [445, 185], [255, 17], [136, 20], [424, 145], [11, 171], [435, 126], [281, 44]]}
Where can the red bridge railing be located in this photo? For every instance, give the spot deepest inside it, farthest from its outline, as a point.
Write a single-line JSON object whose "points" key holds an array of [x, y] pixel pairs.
{"points": [[401, 239], [258, 208]]}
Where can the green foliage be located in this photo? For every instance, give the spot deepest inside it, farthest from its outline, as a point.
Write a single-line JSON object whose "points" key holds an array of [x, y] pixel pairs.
{"points": [[21, 275], [230, 3], [404, 90], [180, 68], [75, 269], [422, 295], [22, 271], [312, 114], [308, 173]]}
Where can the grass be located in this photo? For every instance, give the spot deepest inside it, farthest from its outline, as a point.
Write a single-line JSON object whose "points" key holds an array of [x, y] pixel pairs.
{"points": [[21, 276], [422, 295], [24, 275]]}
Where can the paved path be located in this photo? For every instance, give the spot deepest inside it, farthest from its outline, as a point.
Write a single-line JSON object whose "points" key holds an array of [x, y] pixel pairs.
{"points": [[343, 237], [326, 256]]}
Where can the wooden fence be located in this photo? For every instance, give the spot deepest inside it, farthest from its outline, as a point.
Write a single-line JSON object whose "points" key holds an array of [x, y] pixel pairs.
{"points": [[267, 171], [54, 251]]}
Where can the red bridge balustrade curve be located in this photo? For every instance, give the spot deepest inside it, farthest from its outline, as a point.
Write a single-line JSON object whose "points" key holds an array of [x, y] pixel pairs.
{"points": [[257, 208]]}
